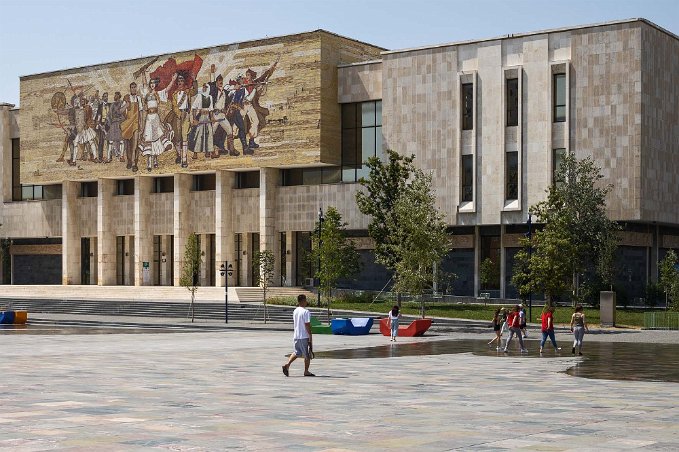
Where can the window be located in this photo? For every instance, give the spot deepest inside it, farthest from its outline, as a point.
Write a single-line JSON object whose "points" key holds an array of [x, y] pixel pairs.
{"points": [[163, 184], [203, 182], [557, 158], [512, 99], [511, 175], [559, 91], [125, 187], [310, 176], [89, 189], [467, 178], [247, 179], [16, 170], [40, 192], [467, 106], [361, 138]]}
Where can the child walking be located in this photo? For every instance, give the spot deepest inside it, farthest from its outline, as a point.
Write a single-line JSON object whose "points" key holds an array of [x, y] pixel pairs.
{"points": [[497, 328], [578, 328], [394, 316]]}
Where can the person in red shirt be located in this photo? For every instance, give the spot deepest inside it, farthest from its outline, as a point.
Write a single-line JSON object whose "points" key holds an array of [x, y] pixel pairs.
{"points": [[547, 318], [515, 329]]}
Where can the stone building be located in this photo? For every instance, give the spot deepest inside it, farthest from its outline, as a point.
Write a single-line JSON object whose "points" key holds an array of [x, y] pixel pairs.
{"points": [[489, 118]]}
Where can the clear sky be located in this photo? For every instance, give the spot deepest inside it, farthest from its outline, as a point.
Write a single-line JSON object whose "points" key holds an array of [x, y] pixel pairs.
{"points": [[47, 35]]}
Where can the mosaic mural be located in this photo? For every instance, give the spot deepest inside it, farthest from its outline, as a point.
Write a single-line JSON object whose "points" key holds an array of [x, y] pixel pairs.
{"points": [[243, 105]]}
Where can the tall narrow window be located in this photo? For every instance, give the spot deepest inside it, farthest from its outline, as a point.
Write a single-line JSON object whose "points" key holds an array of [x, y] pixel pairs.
{"points": [[557, 157], [511, 175], [467, 106], [16, 170], [512, 98], [559, 90], [361, 137], [467, 178]]}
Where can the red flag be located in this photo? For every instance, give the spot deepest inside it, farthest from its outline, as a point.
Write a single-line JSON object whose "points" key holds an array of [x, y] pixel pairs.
{"points": [[189, 69]]}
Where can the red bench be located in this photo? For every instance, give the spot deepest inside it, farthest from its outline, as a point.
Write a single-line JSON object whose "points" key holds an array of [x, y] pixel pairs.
{"points": [[416, 328]]}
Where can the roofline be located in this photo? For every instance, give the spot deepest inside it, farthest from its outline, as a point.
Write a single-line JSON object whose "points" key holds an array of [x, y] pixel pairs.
{"points": [[227, 46], [359, 63], [533, 33]]}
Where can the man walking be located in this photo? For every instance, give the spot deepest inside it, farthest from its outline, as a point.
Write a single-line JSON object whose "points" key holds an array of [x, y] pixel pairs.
{"points": [[301, 318]]}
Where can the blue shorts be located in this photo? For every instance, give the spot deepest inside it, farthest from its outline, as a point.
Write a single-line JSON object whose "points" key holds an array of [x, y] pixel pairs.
{"points": [[301, 347]]}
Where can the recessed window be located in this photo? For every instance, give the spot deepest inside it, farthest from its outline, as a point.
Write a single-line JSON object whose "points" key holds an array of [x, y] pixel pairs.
{"points": [[511, 175], [557, 158], [163, 184], [310, 176], [361, 138], [559, 91], [512, 98], [89, 189], [16, 170], [467, 106], [125, 187], [203, 182], [40, 192], [467, 178], [247, 179]]}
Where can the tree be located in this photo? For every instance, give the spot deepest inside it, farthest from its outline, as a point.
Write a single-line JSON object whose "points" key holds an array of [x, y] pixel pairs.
{"points": [[386, 182], [577, 234], [337, 254], [419, 240], [489, 272], [669, 279], [265, 262], [191, 268]]}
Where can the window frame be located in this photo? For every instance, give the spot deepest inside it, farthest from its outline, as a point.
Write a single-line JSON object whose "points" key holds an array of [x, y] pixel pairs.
{"points": [[467, 186], [467, 105], [512, 102], [557, 78]]}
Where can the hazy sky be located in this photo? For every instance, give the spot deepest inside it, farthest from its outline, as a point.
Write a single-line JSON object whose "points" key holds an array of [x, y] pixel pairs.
{"points": [[47, 35]]}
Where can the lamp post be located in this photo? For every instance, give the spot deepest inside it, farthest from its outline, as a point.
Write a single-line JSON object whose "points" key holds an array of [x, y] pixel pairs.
{"points": [[226, 271], [530, 252], [320, 242]]}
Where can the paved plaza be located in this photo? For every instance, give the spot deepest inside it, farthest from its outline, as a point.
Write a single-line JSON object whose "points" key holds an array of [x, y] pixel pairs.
{"points": [[176, 389]]}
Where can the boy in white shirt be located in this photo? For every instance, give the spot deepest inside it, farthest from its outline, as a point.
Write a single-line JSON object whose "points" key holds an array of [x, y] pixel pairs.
{"points": [[301, 318]]}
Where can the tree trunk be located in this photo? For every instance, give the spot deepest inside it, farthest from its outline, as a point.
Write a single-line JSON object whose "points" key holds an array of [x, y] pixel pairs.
{"points": [[398, 299], [193, 310], [328, 298], [422, 306], [264, 305]]}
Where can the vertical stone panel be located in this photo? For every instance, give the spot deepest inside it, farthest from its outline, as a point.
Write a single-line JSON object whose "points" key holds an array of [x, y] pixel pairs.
{"points": [[224, 233], [143, 236], [70, 238], [5, 152], [182, 212], [268, 234], [106, 239]]}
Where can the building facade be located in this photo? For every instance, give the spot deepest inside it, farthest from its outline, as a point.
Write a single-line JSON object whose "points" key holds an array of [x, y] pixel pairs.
{"points": [[106, 191]]}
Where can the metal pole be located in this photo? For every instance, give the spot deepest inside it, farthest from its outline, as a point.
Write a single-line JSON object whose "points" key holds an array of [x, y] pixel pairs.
{"points": [[530, 252], [320, 241], [226, 292]]}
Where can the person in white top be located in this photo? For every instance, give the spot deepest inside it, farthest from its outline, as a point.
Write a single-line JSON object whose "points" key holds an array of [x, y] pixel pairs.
{"points": [[302, 336]]}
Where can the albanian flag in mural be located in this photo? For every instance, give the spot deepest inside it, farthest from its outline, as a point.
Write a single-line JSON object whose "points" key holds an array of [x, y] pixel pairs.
{"points": [[188, 69]]}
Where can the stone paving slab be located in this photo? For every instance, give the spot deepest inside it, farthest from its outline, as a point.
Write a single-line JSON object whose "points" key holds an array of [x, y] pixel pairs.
{"points": [[224, 390]]}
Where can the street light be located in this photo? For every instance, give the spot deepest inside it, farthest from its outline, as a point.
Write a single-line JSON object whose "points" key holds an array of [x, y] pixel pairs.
{"points": [[320, 242], [226, 271], [530, 251]]}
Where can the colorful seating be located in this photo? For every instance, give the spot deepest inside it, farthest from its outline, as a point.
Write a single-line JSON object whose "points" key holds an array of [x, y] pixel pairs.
{"points": [[319, 328], [13, 317], [416, 328], [355, 326]]}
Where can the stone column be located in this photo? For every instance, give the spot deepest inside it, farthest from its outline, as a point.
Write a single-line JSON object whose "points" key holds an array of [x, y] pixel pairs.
{"points": [[268, 236], [291, 260], [224, 235], [106, 240], [5, 152], [166, 245], [143, 238], [70, 234], [182, 212]]}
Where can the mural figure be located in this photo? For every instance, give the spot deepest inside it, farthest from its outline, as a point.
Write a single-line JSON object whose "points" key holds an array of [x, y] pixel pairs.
{"points": [[115, 134], [253, 112], [61, 108], [201, 133], [223, 129], [157, 135], [131, 125], [85, 139], [101, 123], [236, 111], [180, 121]]}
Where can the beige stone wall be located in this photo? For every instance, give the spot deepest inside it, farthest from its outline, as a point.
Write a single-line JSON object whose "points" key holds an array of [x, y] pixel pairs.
{"points": [[360, 82], [31, 219], [162, 211], [87, 216], [293, 96], [202, 212], [336, 51], [121, 215], [606, 94], [245, 204], [659, 126]]}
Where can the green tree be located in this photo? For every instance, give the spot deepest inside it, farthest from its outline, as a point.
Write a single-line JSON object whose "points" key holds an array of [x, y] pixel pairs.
{"points": [[336, 253], [489, 273], [265, 262], [191, 269], [419, 237], [669, 279], [577, 234], [386, 182]]}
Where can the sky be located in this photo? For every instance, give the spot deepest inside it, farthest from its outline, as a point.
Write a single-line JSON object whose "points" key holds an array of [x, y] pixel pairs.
{"points": [[47, 35]]}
